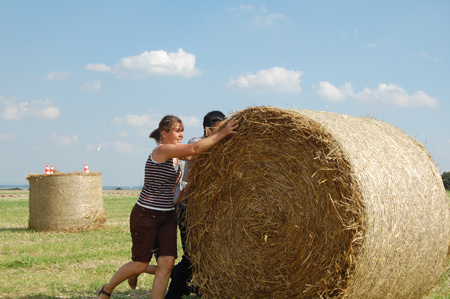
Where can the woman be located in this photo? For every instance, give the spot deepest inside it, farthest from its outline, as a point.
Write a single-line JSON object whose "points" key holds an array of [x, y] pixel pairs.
{"points": [[153, 220]]}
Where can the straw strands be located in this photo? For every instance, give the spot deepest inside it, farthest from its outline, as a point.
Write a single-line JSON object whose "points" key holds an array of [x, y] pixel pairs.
{"points": [[66, 201], [308, 204]]}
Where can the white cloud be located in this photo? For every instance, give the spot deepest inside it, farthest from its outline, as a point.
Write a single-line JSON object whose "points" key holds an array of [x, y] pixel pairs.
{"points": [[330, 92], [57, 75], [260, 17], [6, 137], [388, 94], [133, 120], [344, 35], [98, 67], [191, 121], [160, 62], [117, 146], [145, 132], [150, 121], [248, 7], [424, 55], [94, 86], [269, 20], [38, 109], [274, 79], [93, 147], [392, 94], [62, 139]]}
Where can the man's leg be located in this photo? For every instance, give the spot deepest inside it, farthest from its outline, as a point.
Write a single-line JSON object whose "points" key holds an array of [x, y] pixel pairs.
{"points": [[181, 274]]}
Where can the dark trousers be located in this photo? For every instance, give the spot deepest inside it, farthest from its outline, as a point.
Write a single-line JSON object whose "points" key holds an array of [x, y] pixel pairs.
{"points": [[182, 272]]}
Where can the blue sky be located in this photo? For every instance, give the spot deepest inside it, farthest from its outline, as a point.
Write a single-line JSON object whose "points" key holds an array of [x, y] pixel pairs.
{"points": [[87, 81]]}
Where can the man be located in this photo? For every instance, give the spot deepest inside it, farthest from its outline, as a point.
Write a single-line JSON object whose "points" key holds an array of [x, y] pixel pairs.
{"points": [[182, 272]]}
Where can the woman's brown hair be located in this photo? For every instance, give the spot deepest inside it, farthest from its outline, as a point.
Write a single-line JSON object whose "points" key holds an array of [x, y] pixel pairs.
{"points": [[165, 124]]}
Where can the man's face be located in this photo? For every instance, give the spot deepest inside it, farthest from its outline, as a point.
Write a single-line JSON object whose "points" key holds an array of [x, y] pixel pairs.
{"points": [[213, 129]]}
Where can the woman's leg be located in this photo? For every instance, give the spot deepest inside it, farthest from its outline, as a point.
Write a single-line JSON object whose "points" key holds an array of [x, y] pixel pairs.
{"points": [[151, 269], [132, 281], [162, 275], [124, 272]]}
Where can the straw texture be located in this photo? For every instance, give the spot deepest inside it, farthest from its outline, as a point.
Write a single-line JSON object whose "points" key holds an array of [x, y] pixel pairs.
{"points": [[66, 201], [308, 204]]}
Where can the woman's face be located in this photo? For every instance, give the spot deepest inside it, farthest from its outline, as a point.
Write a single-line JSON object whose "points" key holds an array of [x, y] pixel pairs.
{"points": [[175, 135]]}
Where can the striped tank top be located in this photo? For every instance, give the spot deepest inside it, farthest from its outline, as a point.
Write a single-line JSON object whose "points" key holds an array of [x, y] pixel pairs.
{"points": [[159, 182]]}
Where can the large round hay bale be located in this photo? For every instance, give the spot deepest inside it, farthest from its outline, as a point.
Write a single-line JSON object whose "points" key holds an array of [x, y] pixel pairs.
{"points": [[309, 204], [66, 201]]}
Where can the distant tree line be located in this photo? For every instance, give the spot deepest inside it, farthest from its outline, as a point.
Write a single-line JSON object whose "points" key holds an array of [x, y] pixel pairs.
{"points": [[446, 180]]}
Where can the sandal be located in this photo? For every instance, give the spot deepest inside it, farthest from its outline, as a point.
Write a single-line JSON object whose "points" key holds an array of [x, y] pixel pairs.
{"points": [[102, 291], [132, 282]]}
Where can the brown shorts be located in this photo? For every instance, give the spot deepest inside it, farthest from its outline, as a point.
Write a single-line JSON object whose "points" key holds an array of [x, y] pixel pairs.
{"points": [[151, 231]]}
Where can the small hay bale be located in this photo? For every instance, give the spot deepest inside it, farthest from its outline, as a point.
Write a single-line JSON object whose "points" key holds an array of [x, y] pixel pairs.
{"points": [[66, 201], [308, 204]]}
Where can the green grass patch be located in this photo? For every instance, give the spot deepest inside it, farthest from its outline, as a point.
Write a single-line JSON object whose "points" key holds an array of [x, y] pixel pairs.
{"points": [[37, 264]]}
